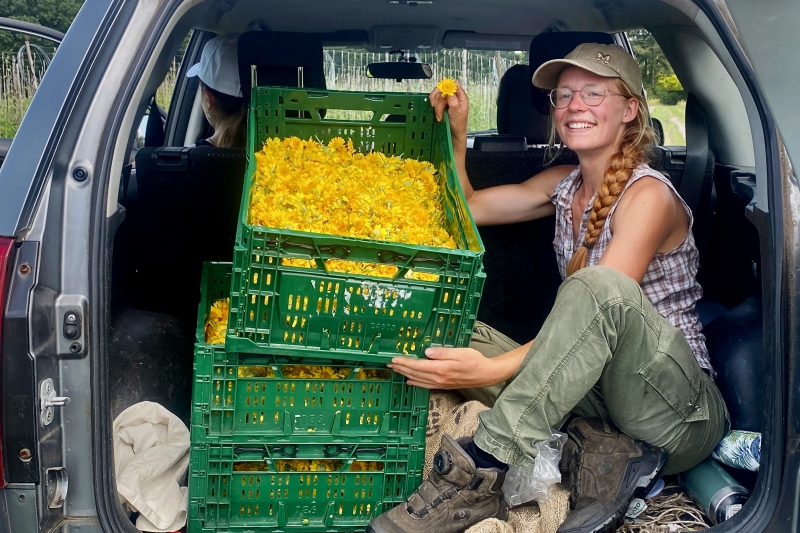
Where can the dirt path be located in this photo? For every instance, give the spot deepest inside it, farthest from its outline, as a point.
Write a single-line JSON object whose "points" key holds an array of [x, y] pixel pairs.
{"points": [[680, 124]]}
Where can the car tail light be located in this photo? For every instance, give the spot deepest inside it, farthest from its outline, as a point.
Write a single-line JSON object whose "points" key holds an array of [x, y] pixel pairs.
{"points": [[5, 252]]}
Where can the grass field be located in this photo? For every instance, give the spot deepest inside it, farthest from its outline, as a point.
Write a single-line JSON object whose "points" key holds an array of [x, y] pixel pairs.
{"points": [[672, 118], [18, 82]]}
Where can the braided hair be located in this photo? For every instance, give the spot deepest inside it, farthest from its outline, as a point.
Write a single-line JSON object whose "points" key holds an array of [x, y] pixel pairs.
{"points": [[634, 150]]}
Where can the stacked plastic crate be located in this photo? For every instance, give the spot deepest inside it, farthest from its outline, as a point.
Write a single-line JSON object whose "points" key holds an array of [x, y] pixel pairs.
{"points": [[297, 424]]}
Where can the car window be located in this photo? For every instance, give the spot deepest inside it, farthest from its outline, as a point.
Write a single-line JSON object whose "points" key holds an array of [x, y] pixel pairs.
{"points": [[164, 92], [479, 71], [665, 95], [23, 61], [167, 87]]}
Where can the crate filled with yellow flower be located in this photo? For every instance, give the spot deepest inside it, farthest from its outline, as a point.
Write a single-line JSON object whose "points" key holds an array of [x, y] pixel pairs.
{"points": [[354, 239], [242, 486], [311, 399], [280, 442], [267, 396]]}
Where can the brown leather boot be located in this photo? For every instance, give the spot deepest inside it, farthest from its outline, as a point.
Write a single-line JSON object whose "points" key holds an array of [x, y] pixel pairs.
{"points": [[455, 496], [607, 469]]}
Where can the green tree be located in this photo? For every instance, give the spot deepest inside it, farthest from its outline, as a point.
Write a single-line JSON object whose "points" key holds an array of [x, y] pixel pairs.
{"points": [[650, 58], [55, 14], [669, 90]]}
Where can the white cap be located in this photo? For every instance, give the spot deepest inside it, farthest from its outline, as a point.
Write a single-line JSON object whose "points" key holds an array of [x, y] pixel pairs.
{"points": [[219, 65]]}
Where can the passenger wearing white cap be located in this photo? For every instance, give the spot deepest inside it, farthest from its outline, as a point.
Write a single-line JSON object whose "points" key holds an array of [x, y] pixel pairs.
{"points": [[221, 95]]}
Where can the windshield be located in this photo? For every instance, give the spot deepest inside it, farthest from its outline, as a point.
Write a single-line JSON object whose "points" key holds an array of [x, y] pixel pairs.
{"points": [[479, 72]]}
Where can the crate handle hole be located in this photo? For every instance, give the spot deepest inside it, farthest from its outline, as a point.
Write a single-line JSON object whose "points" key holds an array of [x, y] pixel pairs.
{"points": [[394, 118], [352, 115]]}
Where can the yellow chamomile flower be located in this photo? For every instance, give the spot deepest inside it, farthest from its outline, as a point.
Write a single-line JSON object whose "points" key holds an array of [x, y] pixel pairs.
{"points": [[217, 321], [447, 87]]}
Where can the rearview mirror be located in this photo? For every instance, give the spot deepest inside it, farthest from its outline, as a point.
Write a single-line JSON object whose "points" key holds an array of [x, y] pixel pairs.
{"points": [[399, 70]]}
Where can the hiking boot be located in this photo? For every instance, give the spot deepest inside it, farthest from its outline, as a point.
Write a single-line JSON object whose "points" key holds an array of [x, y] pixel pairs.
{"points": [[455, 496], [607, 470]]}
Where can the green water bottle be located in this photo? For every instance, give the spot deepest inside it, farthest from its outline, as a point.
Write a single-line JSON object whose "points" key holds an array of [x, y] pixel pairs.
{"points": [[717, 494]]}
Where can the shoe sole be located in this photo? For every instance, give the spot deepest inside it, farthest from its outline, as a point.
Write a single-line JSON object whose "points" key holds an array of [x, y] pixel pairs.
{"points": [[641, 475]]}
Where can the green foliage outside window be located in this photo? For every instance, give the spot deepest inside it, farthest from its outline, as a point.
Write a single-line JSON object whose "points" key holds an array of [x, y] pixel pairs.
{"points": [[54, 14], [669, 90], [658, 78]]}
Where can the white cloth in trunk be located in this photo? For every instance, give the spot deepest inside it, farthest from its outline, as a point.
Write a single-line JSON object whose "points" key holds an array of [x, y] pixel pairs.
{"points": [[151, 457]]}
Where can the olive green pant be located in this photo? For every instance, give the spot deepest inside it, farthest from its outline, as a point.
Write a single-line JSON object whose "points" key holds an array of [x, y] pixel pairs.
{"points": [[603, 351]]}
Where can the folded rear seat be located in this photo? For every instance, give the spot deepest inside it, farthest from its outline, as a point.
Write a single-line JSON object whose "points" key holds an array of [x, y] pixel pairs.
{"points": [[188, 212]]}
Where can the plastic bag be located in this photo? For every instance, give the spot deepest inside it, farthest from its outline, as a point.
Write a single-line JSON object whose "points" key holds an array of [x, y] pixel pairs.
{"points": [[521, 486]]}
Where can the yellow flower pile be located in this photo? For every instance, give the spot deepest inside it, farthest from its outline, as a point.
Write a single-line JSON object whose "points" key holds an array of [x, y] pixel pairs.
{"points": [[332, 189], [313, 372], [251, 466], [366, 466], [255, 372], [217, 321], [374, 373], [447, 87], [309, 465], [361, 268]]}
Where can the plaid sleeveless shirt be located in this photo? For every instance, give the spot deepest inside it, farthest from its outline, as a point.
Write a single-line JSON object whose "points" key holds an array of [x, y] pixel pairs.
{"points": [[669, 283]]}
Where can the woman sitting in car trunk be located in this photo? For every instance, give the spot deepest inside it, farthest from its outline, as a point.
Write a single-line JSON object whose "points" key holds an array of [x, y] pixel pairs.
{"points": [[621, 353]]}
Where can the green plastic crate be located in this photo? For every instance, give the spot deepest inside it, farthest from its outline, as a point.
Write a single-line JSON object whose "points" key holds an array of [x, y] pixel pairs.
{"points": [[280, 309], [223, 497], [267, 396]]}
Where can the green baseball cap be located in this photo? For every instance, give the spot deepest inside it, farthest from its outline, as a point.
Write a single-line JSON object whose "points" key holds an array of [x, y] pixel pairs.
{"points": [[607, 60]]}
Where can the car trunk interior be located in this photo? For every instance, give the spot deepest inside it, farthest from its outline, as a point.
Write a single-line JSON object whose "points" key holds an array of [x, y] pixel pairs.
{"points": [[177, 220]]}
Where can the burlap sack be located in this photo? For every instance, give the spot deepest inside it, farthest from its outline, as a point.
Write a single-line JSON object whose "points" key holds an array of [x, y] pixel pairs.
{"points": [[449, 414]]}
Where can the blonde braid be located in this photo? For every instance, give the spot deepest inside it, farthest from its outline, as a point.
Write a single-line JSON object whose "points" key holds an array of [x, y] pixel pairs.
{"points": [[633, 151]]}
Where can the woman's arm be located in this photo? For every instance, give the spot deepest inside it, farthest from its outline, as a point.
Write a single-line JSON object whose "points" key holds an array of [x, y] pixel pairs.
{"points": [[504, 204], [459, 368], [509, 204], [648, 220]]}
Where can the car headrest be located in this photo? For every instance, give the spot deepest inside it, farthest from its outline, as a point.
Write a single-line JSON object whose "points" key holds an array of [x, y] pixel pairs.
{"points": [[556, 45], [277, 56], [516, 114]]}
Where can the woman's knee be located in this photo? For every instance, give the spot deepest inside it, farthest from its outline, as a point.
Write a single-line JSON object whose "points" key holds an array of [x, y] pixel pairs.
{"points": [[490, 342], [602, 284]]}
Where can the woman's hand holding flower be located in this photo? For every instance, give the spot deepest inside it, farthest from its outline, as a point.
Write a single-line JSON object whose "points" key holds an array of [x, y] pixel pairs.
{"points": [[457, 103]]}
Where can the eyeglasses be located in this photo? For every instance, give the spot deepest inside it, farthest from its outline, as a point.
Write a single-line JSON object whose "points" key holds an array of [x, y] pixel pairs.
{"points": [[591, 95]]}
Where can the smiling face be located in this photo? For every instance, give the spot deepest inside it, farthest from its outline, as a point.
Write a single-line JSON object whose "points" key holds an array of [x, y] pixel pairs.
{"points": [[593, 130]]}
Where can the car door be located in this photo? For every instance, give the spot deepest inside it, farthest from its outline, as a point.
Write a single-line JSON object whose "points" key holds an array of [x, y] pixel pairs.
{"points": [[767, 34], [25, 53]]}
